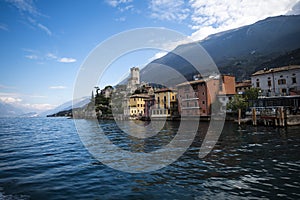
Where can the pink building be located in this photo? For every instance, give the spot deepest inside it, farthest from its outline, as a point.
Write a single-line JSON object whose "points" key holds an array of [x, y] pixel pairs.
{"points": [[196, 97]]}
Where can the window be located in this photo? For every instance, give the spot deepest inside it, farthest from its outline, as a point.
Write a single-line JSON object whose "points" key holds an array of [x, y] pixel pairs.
{"points": [[165, 98], [196, 105], [173, 97], [283, 90], [294, 80], [203, 102], [164, 111], [269, 83], [187, 96], [281, 81], [138, 105], [203, 111], [257, 84], [187, 104]]}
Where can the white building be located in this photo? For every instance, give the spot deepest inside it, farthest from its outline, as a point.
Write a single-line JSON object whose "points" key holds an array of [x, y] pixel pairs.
{"points": [[280, 81]]}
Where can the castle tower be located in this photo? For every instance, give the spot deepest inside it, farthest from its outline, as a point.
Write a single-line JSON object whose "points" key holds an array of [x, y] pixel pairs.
{"points": [[134, 79], [135, 76]]}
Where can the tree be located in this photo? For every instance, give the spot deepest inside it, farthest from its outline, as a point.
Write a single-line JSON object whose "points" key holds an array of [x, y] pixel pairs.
{"points": [[252, 94], [238, 102]]}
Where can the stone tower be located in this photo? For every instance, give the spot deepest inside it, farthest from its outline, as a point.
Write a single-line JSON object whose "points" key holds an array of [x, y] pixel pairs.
{"points": [[134, 79], [135, 76]]}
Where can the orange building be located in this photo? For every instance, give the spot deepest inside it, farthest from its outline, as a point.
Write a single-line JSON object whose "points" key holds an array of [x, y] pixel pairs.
{"points": [[196, 97]]}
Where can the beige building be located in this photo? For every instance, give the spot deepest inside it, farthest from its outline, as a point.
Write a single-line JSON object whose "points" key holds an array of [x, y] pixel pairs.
{"points": [[137, 104], [242, 87], [165, 103]]}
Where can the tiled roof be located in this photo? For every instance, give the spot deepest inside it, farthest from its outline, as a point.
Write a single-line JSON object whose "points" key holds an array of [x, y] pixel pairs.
{"points": [[165, 90], [139, 96], [243, 84], [279, 69]]}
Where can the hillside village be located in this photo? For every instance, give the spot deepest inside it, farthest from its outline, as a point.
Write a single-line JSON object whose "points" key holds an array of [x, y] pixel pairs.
{"points": [[139, 100]]}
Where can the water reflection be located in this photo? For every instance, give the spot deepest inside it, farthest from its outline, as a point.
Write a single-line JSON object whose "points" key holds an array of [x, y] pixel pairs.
{"points": [[44, 159]]}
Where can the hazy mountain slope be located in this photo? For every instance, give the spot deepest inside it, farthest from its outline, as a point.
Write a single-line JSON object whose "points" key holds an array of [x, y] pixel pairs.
{"points": [[239, 51], [8, 110], [67, 106]]}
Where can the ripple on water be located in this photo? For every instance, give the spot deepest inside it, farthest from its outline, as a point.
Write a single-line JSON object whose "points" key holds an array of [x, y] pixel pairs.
{"points": [[43, 158]]}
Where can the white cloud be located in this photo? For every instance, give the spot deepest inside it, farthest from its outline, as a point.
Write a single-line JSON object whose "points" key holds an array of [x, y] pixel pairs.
{"points": [[51, 56], [16, 100], [38, 107], [213, 16], [32, 57], [158, 55], [25, 6], [121, 19], [66, 60], [10, 99], [44, 28], [29, 12], [59, 87], [39, 25], [169, 10], [3, 27], [115, 3], [36, 55]]}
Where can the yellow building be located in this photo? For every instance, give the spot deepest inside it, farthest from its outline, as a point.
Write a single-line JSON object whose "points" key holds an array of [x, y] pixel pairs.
{"points": [[165, 103], [137, 104]]}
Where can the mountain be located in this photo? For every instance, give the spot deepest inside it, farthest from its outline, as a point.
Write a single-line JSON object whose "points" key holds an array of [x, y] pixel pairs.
{"points": [[77, 103], [239, 51], [29, 114], [8, 110]]}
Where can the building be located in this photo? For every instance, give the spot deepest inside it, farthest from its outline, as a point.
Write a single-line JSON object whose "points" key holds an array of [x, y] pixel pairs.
{"points": [[227, 90], [165, 103], [195, 98], [137, 104], [242, 87], [134, 80], [149, 104], [280, 81]]}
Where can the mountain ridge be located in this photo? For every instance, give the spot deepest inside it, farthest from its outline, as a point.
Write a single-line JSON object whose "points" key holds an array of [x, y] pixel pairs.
{"points": [[241, 50]]}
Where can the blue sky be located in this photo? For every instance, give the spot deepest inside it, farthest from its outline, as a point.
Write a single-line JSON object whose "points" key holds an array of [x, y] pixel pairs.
{"points": [[44, 43]]}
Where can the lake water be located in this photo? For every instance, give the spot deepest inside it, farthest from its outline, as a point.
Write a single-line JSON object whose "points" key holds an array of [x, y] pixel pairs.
{"points": [[44, 158]]}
